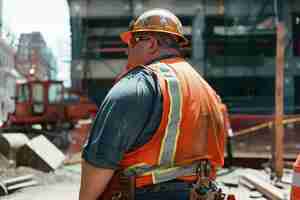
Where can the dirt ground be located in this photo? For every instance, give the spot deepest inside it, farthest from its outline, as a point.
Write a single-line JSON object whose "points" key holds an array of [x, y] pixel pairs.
{"points": [[62, 184]]}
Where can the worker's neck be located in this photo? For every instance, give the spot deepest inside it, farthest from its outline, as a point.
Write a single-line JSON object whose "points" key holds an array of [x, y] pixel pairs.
{"points": [[163, 54]]}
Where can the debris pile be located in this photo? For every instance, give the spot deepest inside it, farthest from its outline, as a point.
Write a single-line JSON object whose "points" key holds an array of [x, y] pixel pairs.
{"points": [[9, 185], [38, 155], [249, 184]]}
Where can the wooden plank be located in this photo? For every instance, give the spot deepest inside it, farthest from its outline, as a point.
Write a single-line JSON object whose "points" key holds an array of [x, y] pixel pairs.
{"points": [[221, 7], [278, 138], [10, 185], [17, 180], [73, 159], [231, 183], [25, 184], [247, 184], [255, 195], [264, 187], [289, 120]]}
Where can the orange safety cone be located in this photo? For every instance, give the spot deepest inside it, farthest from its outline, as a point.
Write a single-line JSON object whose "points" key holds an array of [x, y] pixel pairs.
{"points": [[295, 192], [231, 197]]}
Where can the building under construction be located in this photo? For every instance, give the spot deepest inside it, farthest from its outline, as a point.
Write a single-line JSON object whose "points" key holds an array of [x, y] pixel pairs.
{"points": [[232, 44], [232, 41]]}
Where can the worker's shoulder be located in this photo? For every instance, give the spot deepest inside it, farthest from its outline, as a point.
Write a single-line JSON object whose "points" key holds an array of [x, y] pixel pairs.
{"points": [[139, 75], [137, 80]]}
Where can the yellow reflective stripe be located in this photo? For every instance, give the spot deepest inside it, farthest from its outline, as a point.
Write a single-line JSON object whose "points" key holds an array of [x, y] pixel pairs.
{"points": [[169, 142], [296, 179], [162, 175], [137, 165], [137, 169]]}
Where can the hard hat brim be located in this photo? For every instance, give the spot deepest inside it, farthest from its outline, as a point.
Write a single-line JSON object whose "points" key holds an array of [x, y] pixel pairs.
{"points": [[126, 36]]}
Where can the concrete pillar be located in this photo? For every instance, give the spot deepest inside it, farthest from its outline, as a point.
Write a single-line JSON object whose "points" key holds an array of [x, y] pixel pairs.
{"points": [[289, 94], [1, 16], [76, 12], [76, 74], [289, 84], [198, 55]]}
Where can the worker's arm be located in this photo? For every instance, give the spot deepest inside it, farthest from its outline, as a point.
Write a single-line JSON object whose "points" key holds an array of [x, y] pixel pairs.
{"points": [[118, 128], [93, 181]]}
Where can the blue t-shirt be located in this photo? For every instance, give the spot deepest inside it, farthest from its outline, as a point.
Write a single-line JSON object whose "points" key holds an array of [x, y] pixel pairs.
{"points": [[128, 117]]}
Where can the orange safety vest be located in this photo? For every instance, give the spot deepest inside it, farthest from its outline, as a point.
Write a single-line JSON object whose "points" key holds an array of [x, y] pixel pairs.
{"points": [[192, 128], [295, 192]]}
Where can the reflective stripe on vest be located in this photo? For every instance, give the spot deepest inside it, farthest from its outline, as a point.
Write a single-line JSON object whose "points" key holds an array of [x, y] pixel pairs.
{"points": [[138, 169], [169, 143], [162, 173]]}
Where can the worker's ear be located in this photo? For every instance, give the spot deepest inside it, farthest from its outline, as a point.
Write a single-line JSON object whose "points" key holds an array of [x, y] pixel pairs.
{"points": [[152, 45]]}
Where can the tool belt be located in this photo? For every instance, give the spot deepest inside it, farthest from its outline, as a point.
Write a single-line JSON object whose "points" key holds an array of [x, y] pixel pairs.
{"points": [[120, 187], [205, 188]]}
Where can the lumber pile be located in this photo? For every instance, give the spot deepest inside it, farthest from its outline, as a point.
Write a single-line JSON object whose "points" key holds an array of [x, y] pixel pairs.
{"points": [[264, 187], [250, 184], [10, 185]]}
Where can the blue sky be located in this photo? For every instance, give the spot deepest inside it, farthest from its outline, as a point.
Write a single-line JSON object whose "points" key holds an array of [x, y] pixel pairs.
{"points": [[51, 18]]}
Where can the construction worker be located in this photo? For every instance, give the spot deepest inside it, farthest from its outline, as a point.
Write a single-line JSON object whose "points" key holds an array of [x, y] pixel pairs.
{"points": [[295, 192], [157, 122]]}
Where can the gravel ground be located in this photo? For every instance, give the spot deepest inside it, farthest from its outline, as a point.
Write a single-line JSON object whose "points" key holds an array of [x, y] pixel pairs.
{"points": [[61, 184], [4, 163]]}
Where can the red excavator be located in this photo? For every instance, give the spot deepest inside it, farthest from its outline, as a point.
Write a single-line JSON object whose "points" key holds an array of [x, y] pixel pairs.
{"points": [[45, 107], [48, 104]]}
